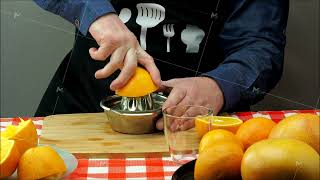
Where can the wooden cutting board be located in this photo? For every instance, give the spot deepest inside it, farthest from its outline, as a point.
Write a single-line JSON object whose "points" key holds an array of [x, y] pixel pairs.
{"points": [[90, 136]]}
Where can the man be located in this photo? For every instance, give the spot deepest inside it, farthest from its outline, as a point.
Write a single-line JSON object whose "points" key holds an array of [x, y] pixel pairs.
{"points": [[224, 55]]}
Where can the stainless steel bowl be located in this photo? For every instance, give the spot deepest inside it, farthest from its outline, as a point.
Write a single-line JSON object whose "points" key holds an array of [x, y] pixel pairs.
{"points": [[129, 122]]}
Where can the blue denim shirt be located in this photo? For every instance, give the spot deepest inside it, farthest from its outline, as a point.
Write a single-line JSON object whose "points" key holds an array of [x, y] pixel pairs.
{"points": [[252, 41]]}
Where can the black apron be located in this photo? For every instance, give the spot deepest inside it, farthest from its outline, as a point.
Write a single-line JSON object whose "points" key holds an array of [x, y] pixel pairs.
{"points": [[191, 50]]}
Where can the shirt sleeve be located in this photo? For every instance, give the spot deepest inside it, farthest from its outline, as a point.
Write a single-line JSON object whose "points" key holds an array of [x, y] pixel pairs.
{"points": [[81, 13], [252, 42]]}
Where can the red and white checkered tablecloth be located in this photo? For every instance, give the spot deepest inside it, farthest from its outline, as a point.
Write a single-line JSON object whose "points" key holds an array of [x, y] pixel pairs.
{"points": [[154, 168]]}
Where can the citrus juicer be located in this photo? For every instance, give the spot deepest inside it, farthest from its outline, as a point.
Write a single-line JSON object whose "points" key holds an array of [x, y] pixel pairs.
{"points": [[133, 115], [137, 104], [135, 108]]}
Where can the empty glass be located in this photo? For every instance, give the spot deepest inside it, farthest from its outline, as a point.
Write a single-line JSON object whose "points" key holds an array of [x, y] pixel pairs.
{"points": [[182, 135]]}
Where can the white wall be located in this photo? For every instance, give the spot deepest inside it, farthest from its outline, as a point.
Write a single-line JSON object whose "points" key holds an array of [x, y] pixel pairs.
{"points": [[34, 42]]}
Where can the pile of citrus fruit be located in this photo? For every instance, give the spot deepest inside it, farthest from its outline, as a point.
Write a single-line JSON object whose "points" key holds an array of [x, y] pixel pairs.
{"points": [[259, 149], [20, 150]]}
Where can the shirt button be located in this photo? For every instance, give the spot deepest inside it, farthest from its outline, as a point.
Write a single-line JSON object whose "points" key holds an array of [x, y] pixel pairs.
{"points": [[77, 23]]}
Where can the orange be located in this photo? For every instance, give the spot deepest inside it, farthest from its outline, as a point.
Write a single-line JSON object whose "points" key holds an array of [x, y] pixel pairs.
{"points": [[217, 135], [41, 162], [139, 85], [202, 126], [9, 157], [254, 130], [285, 159], [217, 122], [222, 160], [25, 135], [304, 127]]}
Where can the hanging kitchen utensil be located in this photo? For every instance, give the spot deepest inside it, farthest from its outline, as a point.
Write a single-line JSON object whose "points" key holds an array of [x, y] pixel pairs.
{"points": [[149, 16], [168, 31], [192, 36], [125, 15]]}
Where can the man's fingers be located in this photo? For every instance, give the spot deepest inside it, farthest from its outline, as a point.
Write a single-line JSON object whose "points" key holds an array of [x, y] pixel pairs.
{"points": [[101, 53], [164, 89], [159, 124], [170, 83], [114, 64], [174, 125], [167, 86], [129, 67], [187, 124], [190, 115], [194, 111], [171, 124], [175, 97], [119, 55], [187, 101], [108, 69], [147, 61]]}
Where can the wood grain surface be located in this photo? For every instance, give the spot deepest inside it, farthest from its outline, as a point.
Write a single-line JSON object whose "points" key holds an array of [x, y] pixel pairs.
{"points": [[90, 136]]}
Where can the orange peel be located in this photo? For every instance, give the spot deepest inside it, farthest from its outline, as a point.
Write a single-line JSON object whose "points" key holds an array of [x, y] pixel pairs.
{"points": [[139, 85]]}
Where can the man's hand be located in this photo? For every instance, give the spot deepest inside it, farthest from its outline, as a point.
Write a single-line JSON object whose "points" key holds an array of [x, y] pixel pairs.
{"points": [[115, 39], [201, 91]]}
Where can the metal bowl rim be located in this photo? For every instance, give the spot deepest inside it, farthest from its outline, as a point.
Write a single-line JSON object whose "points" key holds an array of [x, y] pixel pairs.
{"points": [[145, 113]]}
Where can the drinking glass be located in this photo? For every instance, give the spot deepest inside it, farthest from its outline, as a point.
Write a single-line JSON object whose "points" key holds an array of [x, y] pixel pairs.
{"points": [[181, 134]]}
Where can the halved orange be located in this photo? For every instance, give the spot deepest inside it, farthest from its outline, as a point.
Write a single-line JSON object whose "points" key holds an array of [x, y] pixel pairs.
{"points": [[217, 122], [139, 85], [25, 135], [41, 162], [9, 157]]}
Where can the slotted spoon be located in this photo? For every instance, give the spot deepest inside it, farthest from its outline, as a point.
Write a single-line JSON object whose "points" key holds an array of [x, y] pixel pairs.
{"points": [[149, 16]]}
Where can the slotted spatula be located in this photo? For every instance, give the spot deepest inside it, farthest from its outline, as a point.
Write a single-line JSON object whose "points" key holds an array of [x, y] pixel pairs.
{"points": [[149, 15]]}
